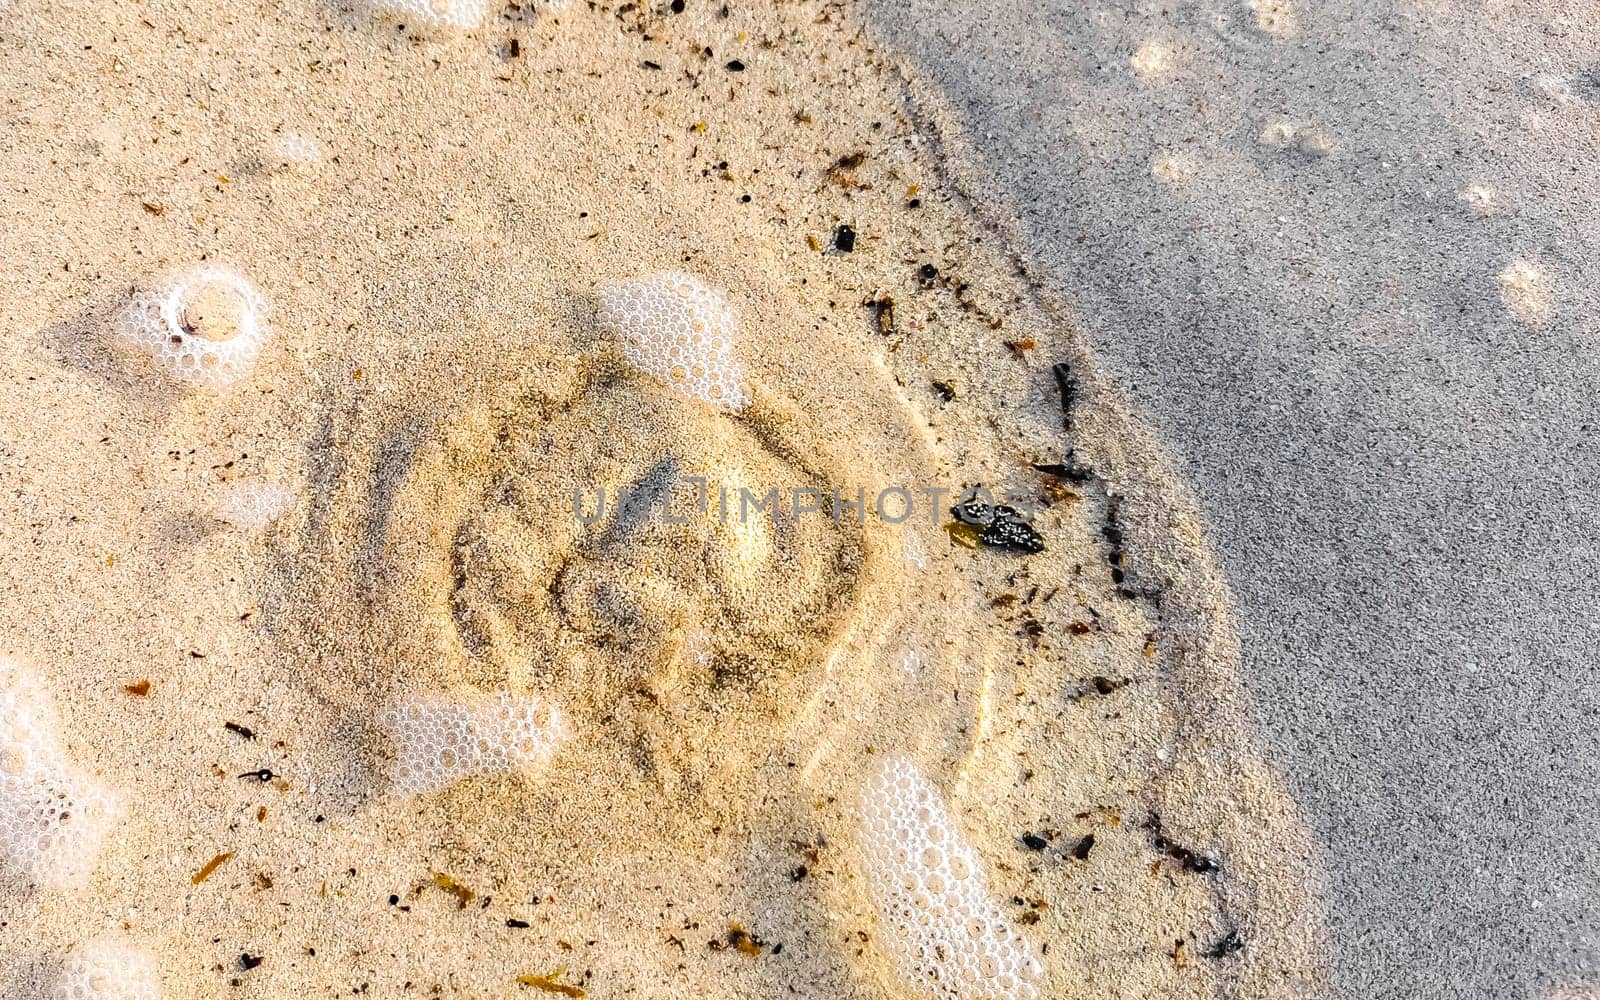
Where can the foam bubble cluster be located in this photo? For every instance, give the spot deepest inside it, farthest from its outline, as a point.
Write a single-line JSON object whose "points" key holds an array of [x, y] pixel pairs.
{"points": [[679, 330], [297, 151], [107, 969], [207, 325], [255, 505], [946, 936], [53, 815], [439, 739], [439, 13]]}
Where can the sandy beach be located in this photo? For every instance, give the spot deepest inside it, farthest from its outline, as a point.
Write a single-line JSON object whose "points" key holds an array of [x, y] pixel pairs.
{"points": [[320, 323]]}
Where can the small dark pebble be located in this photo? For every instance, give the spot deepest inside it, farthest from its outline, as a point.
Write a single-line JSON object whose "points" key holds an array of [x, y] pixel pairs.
{"points": [[844, 239], [651, 64], [264, 775], [914, 203], [735, 66], [1010, 532], [946, 390], [928, 274], [394, 900], [1081, 849], [244, 732], [677, 6], [1229, 945], [799, 873], [515, 48], [518, 924], [248, 961], [1034, 842]]}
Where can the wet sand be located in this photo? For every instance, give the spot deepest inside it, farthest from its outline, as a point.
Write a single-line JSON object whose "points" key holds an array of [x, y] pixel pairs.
{"points": [[439, 382]]}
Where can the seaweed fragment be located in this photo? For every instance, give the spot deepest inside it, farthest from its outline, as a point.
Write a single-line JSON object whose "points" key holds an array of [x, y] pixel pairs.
{"points": [[549, 984], [138, 689], [211, 867], [1067, 384], [462, 894], [1068, 471]]}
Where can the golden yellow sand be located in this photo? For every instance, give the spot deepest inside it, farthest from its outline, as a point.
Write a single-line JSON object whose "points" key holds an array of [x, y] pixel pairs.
{"points": [[438, 387]]}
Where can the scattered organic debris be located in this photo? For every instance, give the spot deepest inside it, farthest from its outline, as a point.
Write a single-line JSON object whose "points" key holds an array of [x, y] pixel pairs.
{"points": [[264, 775], [1020, 348], [1099, 685], [244, 732], [1085, 844], [1191, 861], [1230, 944], [549, 984], [883, 313], [462, 894], [739, 940], [211, 867], [843, 171], [138, 688]]}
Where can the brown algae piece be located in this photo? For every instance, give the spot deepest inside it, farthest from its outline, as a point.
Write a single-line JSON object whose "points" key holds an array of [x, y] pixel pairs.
{"points": [[211, 866], [549, 985], [963, 534], [138, 689], [462, 894]]}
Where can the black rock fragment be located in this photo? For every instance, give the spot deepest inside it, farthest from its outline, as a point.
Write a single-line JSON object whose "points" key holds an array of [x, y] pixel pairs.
{"points": [[1003, 527], [844, 238], [1034, 842], [1010, 532]]}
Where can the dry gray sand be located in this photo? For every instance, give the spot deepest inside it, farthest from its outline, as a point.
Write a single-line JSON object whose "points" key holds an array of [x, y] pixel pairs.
{"points": [[439, 383]]}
